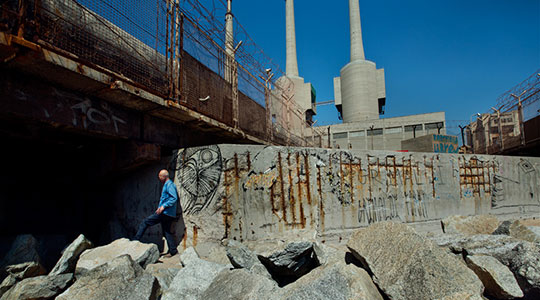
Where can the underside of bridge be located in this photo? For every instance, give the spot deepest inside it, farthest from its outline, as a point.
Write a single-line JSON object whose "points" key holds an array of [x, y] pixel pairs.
{"points": [[73, 140]]}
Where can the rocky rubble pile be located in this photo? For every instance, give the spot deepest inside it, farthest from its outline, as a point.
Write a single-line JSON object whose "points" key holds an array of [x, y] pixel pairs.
{"points": [[476, 258]]}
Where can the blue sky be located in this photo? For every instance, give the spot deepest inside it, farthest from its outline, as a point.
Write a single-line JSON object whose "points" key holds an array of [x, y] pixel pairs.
{"points": [[441, 55]]}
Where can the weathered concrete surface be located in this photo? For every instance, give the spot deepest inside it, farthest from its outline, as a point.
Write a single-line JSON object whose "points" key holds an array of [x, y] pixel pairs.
{"points": [[257, 192]]}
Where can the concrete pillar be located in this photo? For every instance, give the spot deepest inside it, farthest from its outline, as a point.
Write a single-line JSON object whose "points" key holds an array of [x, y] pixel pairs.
{"points": [[292, 62], [357, 45]]}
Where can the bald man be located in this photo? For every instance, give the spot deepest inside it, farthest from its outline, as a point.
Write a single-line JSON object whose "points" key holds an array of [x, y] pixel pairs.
{"points": [[165, 213]]}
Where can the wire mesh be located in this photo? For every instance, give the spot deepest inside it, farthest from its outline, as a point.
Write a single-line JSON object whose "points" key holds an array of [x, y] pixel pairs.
{"points": [[173, 48]]}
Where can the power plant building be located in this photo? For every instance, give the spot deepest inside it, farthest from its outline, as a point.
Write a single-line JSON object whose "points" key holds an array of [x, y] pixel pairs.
{"points": [[360, 98]]}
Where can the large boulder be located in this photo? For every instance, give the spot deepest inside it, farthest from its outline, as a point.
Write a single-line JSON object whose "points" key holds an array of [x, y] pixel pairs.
{"points": [[142, 254], [291, 263], [164, 275], [337, 281], [119, 279], [241, 257], [40, 287], [406, 265], [23, 249], [239, 284], [192, 280], [71, 255], [469, 225], [526, 233], [19, 272], [521, 257], [498, 280]]}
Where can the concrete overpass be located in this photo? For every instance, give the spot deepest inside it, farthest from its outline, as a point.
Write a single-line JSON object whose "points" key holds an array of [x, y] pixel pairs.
{"points": [[84, 103]]}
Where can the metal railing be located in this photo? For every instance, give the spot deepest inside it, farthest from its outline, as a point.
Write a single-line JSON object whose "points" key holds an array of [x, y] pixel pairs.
{"points": [[172, 48]]}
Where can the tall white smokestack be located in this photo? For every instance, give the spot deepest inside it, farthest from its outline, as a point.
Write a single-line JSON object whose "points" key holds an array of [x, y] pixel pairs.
{"points": [[361, 85], [229, 42], [357, 45], [292, 62]]}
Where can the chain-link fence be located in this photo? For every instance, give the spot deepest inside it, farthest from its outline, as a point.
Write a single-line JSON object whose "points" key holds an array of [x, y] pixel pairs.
{"points": [[175, 49]]}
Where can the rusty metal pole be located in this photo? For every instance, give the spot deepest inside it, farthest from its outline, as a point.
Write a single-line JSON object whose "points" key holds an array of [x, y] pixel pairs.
{"points": [[269, 126], [181, 69], [520, 116]]}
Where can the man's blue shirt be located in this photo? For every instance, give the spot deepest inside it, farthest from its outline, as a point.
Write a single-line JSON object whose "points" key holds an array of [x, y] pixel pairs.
{"points": [[169, 197]]}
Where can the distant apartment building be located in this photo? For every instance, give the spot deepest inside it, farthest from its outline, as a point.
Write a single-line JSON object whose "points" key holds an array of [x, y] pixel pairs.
{"points": [[491, 133]]}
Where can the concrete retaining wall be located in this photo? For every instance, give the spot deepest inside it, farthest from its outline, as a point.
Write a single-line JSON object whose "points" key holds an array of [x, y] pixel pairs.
{"points": [[257, 192]]}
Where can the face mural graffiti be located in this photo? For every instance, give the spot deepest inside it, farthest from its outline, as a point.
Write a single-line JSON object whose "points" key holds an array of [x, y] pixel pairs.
{"points": [[198, 174]]}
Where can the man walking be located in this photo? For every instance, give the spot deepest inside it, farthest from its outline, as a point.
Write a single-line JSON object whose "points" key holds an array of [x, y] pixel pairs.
{"points": [[165, 214]]}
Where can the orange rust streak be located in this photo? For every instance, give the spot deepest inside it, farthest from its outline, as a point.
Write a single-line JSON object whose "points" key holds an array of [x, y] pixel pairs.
{"points": [[308, 189], [302, 216], [184, 240], [195, 235], [283, 205], [292, 201], [321, 203]]}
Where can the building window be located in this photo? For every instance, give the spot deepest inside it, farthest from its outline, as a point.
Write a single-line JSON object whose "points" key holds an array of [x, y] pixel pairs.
{"points": [[360, 133], [340, 135], [376, 131], [430, 126], [393, 130], [411, 128]]}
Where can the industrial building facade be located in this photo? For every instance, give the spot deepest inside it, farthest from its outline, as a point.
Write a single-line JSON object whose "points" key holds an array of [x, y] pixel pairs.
{"points": [[384, 134]]}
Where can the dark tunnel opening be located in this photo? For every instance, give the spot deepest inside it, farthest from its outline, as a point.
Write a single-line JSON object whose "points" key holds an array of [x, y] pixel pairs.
{"points": [[56, 185]]}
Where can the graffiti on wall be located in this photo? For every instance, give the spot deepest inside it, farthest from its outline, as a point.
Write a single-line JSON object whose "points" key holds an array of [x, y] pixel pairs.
{"points": [[380, 188], [445, 144], [198, 173], [526, 181]]}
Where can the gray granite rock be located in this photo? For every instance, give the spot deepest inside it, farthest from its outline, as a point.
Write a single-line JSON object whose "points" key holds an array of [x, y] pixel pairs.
{"points": [[143, 254], [469, 225], [337, 281], [521, 257], [164, 275], [40, 287], [406, 265], [70, 256], [239, 284], [19, 272], [23, 249], [189, 256], [498, 280], [7, 283], [291, 263], [191, 281], [119, 279], [241, 257]]}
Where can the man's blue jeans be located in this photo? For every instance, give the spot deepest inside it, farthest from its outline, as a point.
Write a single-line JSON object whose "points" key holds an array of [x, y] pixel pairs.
{"points": [[166, 227]]}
